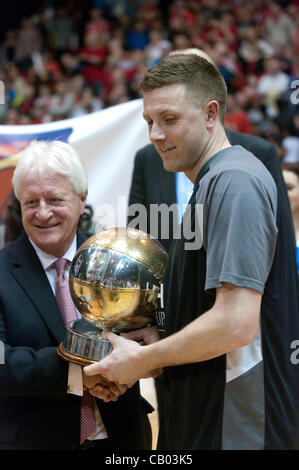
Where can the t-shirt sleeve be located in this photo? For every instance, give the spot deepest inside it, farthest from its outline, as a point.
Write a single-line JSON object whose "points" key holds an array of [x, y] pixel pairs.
{"points": [[240, 230]]}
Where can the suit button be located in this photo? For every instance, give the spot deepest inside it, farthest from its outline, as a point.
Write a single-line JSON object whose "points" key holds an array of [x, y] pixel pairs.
{"points": [[71, 445]]}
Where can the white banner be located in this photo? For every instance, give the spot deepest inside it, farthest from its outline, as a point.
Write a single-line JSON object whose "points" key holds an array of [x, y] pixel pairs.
{"points": [[106, 141]]}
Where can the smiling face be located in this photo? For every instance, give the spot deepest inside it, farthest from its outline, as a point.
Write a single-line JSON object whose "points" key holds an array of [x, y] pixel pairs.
{"points": [[176, 128], [50, 211]]}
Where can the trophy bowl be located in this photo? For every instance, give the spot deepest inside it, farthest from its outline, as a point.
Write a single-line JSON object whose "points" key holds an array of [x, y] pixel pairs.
{"points": [[114, 282]]}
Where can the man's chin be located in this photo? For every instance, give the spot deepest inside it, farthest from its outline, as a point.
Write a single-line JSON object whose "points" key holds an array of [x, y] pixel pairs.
{"points": [[52, 249], [47, 242], [171, 167]]}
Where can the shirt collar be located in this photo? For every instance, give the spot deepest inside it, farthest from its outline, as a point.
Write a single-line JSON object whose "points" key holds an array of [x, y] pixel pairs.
{"points": [[47, 260], [212, 161]]}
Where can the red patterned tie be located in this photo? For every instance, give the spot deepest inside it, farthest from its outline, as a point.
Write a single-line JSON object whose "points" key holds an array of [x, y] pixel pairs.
{"points": [[69, 314]]}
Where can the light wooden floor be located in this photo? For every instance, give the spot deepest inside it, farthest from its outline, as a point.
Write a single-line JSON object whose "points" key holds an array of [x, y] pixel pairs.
{"points": [[149, 393]]}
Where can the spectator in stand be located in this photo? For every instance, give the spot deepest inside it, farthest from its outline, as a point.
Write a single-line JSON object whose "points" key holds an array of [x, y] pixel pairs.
{"points": [[88, 103], [123, 7], [13, 222], [118, 91], [181, 41], [12, 117], [138, 36], [19, 90], [236, 119], [8, 49], [61, 30], [46, 68], [44, 97], [279, 28], [62, 101], [226, 61], [92, 57], [70, 64], [97, 23], [15, 83], [221, 27], [157, 48], [291, 146], [149, 12], [37, 115], [27, 97], [136, 72], [119, 94], [28, 41], [182, 18], [272, 85], [296, 31], [252, 50], [288, 124], [249, 100], [115, 51], [290, 138], [130, 63], [291, 178], [76, 84]]}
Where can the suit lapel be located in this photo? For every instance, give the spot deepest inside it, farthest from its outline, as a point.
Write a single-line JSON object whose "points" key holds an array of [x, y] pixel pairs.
{"points": [[30, 274]]}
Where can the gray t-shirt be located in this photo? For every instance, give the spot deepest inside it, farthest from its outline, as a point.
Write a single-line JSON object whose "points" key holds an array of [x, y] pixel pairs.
{"points": [[239, 219], [232, 401]]}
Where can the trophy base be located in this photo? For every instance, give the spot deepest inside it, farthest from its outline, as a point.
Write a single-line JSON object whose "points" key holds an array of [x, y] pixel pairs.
{"points": [[83, 344]]}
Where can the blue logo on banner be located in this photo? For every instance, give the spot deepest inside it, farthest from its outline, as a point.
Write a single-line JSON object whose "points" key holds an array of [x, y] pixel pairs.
{"points": [[10, 146]]}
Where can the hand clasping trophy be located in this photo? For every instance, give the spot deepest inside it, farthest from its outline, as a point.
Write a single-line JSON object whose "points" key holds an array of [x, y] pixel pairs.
{"points": [[114, 282]]}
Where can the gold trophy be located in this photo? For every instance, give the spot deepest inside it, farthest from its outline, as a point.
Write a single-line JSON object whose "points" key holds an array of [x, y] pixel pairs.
{"points": [[114, 282]]}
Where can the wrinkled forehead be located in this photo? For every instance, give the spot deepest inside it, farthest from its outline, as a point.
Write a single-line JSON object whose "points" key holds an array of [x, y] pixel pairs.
{"points": [[41, 170], [42, 179]]}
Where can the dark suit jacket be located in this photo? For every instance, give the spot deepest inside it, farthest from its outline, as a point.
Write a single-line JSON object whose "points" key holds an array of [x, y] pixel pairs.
{"points": [[35, 410]]}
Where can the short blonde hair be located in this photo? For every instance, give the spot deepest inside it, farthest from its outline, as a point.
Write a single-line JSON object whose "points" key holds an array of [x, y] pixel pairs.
{"points": [[202, 80], [194, 50]]}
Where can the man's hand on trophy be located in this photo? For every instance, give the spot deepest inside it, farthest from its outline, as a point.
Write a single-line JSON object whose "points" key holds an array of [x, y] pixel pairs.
{"points": [[102, 388], [123, 364], [143, 336]]}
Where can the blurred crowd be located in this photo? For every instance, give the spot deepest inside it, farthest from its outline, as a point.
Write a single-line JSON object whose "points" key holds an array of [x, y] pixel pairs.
{"points": [[70, 59]]}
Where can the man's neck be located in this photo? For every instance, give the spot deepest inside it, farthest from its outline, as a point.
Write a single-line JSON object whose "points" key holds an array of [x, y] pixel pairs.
{"points": [[47, 259], [215, 145]]}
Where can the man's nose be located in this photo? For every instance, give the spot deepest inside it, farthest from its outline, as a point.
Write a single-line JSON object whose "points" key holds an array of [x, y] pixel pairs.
{"points": [[156, 133], [43, 211]]}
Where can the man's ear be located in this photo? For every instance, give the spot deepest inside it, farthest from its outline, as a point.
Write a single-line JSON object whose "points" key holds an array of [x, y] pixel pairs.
{"points": [[211, 113], [83, 198]]}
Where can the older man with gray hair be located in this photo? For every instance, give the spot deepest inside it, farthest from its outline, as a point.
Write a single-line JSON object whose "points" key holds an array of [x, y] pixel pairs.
{"points": [[41, 404]]}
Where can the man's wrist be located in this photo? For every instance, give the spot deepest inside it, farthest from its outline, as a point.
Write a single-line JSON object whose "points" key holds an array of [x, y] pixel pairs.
{"points": [[149, 358]]}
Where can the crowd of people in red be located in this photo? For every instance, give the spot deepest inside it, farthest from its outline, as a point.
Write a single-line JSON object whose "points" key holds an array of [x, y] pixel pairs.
{"points": [[72, 59]]}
